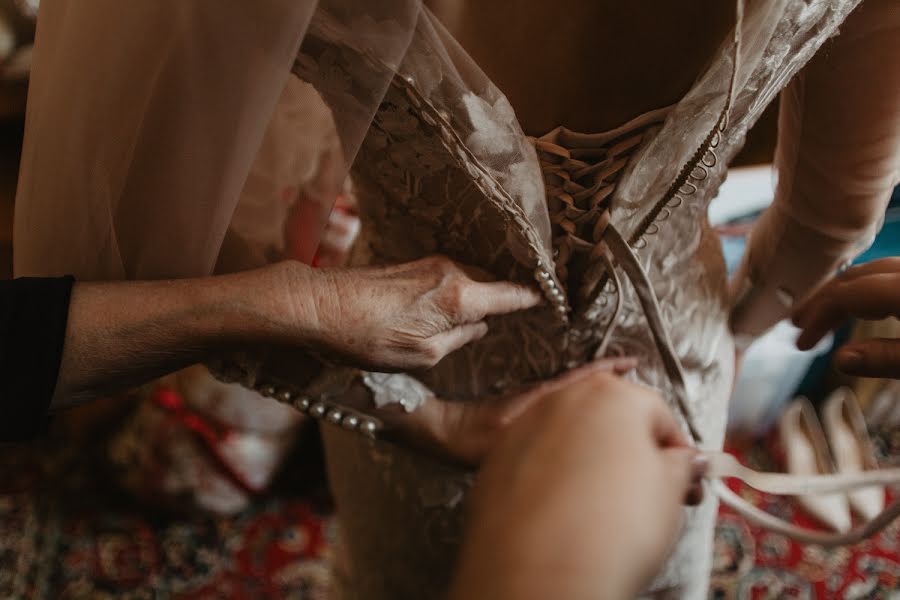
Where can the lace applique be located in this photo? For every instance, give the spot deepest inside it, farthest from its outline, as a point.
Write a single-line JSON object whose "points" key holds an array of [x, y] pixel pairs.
{"points": [[490, 131], [396, 388]]}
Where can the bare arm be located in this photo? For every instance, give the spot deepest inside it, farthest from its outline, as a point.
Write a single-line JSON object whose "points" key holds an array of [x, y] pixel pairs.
{"points": [[126, 333], [395, 318]]}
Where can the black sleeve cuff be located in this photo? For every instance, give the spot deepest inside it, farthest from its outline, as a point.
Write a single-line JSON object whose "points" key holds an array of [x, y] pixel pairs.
{"points": [[33, 317]]}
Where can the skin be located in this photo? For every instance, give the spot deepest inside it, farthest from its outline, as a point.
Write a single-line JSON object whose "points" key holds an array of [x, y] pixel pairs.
{"points": [[402, 317], [396, 318], [581, 496], [870, 291]]}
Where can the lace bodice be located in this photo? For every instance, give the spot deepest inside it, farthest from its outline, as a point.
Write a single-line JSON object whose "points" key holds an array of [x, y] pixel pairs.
{"points": [[450, 172]]}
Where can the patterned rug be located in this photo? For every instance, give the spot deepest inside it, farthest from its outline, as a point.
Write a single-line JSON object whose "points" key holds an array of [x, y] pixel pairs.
{"points": [[751, 563], [66, 532]]}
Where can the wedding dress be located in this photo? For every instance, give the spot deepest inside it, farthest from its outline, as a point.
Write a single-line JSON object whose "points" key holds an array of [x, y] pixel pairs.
{"points": [[611, 226], [426, 184]]}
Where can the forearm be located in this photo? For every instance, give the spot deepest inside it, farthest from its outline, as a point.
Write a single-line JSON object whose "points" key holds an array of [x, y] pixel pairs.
{"points": [[838, 159], [126, 333]]}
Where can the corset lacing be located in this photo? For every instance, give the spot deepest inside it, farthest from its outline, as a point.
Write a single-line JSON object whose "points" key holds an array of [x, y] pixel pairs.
{"points": [[579, 183]]}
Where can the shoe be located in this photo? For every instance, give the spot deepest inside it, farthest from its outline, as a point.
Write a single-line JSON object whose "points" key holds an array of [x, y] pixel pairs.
{"points": [[806, 453], [851, 447], [884, 410]]}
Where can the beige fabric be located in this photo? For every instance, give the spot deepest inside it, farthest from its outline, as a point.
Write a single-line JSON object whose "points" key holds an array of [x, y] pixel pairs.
{"points": [[838, 160]]}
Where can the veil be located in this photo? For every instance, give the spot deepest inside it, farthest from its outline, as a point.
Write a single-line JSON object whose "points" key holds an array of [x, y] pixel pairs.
{"points": [[146, 122], [153, 130]]}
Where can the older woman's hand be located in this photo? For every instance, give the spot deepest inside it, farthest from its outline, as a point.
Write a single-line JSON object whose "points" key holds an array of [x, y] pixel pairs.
{"points": [[397, 318], [869, 291]]}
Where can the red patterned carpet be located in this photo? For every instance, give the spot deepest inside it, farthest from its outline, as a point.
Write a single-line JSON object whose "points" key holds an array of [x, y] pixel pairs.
{"points": [[65, 532]]}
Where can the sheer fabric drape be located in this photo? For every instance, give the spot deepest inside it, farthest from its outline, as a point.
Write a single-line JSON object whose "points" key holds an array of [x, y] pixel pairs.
{"points": [[144, 120]]}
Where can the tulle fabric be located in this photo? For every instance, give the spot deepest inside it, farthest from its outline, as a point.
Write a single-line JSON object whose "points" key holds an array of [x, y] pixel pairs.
{"points": [[144, 121]]}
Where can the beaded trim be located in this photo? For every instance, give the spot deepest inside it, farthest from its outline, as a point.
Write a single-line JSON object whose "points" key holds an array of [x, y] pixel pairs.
{"points": [[432, 118], [322, 410]]}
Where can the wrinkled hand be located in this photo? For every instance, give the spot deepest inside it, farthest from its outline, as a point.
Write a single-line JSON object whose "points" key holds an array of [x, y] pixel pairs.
{"points": [[588, 482], [402, 317], [870, 291]]}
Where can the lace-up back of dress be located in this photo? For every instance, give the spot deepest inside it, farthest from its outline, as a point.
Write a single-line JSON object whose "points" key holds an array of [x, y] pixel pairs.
{"points": [[580, 175]]}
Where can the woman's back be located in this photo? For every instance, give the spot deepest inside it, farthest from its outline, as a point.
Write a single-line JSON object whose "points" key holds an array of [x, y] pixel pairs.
{"points": [[588, 65]]}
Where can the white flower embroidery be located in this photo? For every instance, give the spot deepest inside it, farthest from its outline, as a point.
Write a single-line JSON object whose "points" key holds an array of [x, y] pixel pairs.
{"points": [[492, 132]]}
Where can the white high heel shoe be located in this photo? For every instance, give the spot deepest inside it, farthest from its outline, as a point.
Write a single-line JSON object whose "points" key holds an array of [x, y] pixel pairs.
{"points": [[821, 492], [806, 453], [884, 411], [851, 447]]}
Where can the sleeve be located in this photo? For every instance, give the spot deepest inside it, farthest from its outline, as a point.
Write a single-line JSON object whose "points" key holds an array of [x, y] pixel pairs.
{"points": [[33, 318], [838, 158]]}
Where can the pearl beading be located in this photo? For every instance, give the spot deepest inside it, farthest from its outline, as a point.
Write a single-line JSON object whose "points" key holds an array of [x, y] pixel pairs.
{"points": [[322, 410]]}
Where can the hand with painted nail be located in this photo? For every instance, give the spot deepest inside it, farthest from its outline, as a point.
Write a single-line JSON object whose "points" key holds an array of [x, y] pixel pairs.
{"points": [[870, 291], [584, 492]]}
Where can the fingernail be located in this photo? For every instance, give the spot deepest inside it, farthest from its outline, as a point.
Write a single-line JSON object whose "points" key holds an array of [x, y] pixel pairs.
{"points": [[699, 467], [850, 359]]}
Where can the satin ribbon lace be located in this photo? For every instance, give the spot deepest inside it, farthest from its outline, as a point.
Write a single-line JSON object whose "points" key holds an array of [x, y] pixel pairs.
{"points": [[723, 466]]}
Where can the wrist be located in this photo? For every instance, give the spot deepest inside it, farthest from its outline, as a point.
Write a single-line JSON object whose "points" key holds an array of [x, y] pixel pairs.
{"points": [[285, 304]]}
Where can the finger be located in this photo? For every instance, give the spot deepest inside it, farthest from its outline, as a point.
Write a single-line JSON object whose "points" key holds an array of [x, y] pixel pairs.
{"points": [[882, 265], [666, 430], [513, 407], [694, 495], [699, 468], [852, 292], [680, 471], [479, 300], [886, 265], [620, 365], [868, 297], [449, 341], [871, 358]]}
